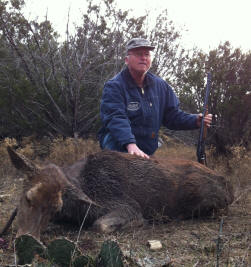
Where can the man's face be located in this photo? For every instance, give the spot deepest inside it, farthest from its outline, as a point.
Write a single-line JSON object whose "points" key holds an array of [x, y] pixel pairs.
{"points": [[139, 60]]}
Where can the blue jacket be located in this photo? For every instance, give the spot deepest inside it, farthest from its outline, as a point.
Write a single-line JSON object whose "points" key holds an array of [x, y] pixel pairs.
{"points": [[135, 115]]}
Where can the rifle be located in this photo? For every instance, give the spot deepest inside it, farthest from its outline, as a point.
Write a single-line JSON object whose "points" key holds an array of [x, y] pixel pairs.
{"points": [[201, 154]]}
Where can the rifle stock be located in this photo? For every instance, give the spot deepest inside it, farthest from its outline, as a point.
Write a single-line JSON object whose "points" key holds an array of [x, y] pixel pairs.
{"points": [[201, 154]]}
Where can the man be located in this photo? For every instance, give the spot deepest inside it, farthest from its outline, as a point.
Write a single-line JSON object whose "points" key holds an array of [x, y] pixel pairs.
{"points": [[135, 103]]}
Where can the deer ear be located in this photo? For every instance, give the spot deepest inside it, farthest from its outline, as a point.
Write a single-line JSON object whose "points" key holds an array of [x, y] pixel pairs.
{"points": [[21, 162]]}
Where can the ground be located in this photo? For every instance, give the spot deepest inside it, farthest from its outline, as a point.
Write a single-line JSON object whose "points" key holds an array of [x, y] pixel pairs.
{"points": [[194, 242]]}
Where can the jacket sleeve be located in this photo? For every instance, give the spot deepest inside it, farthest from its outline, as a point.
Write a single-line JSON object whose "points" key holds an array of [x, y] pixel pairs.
{"points": [[174, 117], [113, 113]]}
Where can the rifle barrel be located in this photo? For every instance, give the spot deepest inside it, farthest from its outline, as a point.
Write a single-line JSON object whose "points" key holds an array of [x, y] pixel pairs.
{"points": [[201, 155]]}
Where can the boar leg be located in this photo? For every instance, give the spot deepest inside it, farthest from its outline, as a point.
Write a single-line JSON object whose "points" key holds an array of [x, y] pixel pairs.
{"points": [[121, 216], [117, 220]]}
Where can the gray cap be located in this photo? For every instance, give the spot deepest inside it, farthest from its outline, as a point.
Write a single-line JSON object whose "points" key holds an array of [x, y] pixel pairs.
{"points": [[139, 42]]}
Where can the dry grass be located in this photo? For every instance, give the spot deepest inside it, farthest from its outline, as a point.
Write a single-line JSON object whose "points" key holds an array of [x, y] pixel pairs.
{"points": [[174, 149], [67, 151], [187, 243]]}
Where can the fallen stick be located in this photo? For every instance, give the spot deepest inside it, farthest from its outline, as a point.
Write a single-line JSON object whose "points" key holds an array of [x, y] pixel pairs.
{"points": [[8, 224]]}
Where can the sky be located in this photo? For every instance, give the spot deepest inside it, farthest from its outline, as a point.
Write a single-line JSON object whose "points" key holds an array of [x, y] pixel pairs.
{"points": [[206, 23]]}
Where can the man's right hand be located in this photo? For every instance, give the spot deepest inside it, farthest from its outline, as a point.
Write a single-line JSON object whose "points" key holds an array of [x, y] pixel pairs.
{"points": [[134, 150]]}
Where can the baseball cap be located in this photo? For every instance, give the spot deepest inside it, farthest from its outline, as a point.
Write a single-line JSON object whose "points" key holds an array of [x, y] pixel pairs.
{"points": [[139, 42]]}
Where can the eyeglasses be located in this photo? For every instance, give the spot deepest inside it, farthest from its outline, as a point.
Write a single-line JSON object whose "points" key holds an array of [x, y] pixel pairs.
{"points": [[140, 54]]}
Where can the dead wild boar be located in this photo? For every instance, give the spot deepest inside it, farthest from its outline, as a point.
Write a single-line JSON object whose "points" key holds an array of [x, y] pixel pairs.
{"points": [[114, 190]]}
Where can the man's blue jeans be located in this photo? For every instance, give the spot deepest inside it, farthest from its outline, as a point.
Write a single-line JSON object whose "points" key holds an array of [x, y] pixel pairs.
{"points": [[109, 143]]}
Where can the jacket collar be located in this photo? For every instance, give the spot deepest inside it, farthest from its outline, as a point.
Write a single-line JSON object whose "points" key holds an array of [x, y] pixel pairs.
{"points": [[127, 77]]}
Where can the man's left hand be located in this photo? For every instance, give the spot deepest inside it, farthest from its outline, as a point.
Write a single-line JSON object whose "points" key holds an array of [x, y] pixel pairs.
{"points": [[207, 120]]}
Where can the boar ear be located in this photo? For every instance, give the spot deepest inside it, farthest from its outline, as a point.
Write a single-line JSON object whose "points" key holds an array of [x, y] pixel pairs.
{"points": [[76, 193], [21, 162], [82, 196]]}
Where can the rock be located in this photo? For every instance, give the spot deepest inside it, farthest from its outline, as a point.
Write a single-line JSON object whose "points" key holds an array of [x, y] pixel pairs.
{"points": [[154, 244]]}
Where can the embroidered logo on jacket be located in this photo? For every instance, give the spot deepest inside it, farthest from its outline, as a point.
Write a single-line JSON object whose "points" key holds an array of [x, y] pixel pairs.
{"points": [[133, 106]]}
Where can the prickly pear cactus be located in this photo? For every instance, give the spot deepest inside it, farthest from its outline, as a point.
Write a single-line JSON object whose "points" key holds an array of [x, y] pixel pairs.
{"points": [[62, 252], [84, 261], [27, 247], [110, 255]]}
